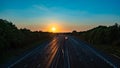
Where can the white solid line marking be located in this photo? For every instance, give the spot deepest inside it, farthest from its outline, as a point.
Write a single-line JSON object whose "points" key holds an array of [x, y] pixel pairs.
{"points": [[19, 60], [68, 59], [33, 51], [62, 51], [116, 56], [100, 56]]}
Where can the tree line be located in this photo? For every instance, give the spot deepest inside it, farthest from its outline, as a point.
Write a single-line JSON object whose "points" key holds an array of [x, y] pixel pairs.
{"points": [[12, 38], [101, 35]]}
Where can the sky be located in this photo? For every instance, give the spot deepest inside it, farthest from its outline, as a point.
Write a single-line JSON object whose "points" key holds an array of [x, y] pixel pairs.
{"points": [[64, 15]]}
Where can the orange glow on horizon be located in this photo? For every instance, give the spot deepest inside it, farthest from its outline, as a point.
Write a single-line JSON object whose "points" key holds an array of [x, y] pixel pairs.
{"points": [[53, 29]]}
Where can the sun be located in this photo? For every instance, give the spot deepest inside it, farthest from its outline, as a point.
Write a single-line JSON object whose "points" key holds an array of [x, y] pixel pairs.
{"points": [[53, 29]]}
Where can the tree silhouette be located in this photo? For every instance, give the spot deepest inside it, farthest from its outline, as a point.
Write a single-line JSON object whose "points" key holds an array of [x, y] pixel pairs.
{"points": [[102, 35], [12, 38]]}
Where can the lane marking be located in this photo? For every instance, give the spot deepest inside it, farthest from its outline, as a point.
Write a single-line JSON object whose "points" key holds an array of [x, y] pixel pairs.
{"points": [[19, 60], [62, 51], [68, 58], [50, 59], [57, 56], [100, 56], [30, 53], [116, 56]]}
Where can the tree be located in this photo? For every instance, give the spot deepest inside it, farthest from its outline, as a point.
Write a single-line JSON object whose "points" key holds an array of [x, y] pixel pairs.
{"points": [[103, 35]]}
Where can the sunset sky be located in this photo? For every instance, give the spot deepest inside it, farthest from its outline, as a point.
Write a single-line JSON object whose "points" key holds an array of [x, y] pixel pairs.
{"points": [[64, 15]]}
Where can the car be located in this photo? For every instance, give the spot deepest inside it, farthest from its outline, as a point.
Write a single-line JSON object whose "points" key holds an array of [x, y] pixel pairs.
{"points": [[66, 37]]}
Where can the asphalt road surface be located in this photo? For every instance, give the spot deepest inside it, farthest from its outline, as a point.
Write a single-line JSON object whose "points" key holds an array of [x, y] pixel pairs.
{"points": [[64, 52]]}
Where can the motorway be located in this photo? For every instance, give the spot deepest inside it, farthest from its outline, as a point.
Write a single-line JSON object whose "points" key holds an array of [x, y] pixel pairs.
{"points": [[64, 52]]}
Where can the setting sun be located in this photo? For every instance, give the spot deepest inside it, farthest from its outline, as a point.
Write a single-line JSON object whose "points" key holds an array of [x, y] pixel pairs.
{"points": [[53, 29]]}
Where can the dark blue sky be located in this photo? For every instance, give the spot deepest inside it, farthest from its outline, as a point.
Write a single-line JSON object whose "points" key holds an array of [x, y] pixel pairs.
{"points": [[66, 15]]}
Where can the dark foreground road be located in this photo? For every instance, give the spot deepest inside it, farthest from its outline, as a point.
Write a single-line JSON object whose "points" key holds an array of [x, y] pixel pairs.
{"points": [[64, 52]]}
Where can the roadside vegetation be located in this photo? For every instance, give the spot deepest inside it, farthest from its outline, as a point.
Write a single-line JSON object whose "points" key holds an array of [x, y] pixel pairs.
{"points": [[14, 41], [104, 38]]}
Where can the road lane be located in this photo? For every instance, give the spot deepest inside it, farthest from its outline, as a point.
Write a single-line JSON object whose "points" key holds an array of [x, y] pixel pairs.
{"points": [[64, 52], [38, 57], [86, 58], [94, 55]]}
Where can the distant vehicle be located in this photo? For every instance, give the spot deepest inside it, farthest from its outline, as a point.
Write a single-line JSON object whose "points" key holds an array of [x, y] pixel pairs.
{"points": [[66, 38]]}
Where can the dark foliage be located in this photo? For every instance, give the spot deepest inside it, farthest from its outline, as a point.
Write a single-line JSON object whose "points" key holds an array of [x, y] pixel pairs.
{"points": [[12, 38], [102, 35]]}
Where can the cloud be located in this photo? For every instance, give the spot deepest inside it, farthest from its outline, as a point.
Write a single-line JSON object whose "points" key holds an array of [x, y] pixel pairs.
{"points": [[41, 7]]}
